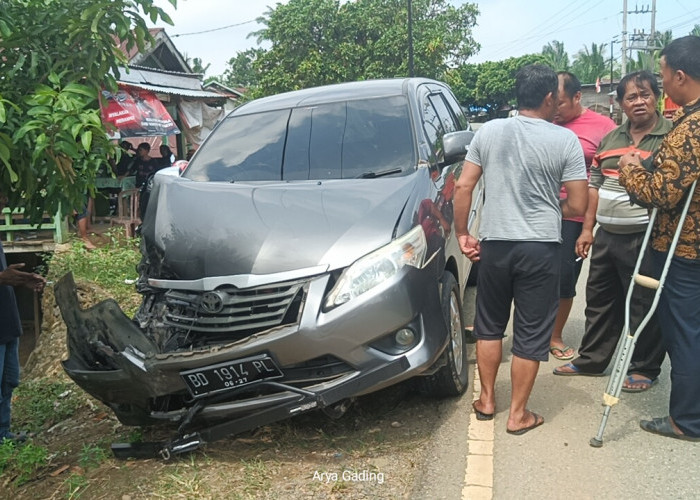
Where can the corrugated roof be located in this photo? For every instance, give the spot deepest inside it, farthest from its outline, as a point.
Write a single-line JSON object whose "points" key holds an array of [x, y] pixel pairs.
{"points": [[138, 75], [176, 91], [166, 82]]}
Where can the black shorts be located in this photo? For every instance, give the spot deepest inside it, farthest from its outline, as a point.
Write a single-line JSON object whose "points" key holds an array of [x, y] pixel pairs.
{"points": [[570, 269], [524, 272]]}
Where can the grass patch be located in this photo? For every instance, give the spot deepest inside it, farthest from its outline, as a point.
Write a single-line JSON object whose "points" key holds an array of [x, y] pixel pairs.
{"points": [[107, 266], [76, 484], [42, 403], [92, 456], [185, 481], [256, 476], [21, 461]]}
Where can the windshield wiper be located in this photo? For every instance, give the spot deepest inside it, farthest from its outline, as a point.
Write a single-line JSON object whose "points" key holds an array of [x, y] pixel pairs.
{"points": [[381, 173]]}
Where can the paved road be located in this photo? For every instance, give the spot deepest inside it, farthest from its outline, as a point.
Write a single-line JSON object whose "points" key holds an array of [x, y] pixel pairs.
{"points": [[556, 460]]}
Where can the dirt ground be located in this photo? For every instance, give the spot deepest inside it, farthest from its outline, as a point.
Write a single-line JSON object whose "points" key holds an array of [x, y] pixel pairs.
{"points": [[380, 448]]}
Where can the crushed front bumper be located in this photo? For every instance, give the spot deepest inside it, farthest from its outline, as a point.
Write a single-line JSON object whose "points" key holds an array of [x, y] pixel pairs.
{"points": [[116, 362]]}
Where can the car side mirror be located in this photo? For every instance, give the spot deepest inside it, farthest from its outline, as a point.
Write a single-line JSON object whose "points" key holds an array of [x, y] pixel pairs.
{"points": [[456, 144], [181, 165]]}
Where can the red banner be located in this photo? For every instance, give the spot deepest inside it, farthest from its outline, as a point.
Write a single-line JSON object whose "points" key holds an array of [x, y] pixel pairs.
{"points": [[136, 112]]}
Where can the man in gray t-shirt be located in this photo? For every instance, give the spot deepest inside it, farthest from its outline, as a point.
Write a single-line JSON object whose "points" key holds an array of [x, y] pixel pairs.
{"points": [[524, 161]]}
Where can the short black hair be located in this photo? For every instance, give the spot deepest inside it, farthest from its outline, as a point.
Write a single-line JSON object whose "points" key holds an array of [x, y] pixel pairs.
{"points": [[638, 77], [684, 54], [572, 85], [144, 145], [532, 84]]}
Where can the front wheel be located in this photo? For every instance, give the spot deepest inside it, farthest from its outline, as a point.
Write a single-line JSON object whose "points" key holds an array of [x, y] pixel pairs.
{"points": [[452, 378]]}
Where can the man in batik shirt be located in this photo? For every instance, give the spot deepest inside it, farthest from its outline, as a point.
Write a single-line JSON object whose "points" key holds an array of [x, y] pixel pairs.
{"points": [[675, 168]]}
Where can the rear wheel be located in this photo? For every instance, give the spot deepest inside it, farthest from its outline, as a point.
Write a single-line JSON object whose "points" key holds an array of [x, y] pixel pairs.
{"points": [[452, 378]]}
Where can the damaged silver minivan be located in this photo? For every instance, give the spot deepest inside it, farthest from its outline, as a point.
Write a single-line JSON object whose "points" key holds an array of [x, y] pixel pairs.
{"points": [[305, 256]]}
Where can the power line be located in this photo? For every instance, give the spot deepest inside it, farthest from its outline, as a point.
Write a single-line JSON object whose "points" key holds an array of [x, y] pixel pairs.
{"points": [[214, 29], [554, 28]]}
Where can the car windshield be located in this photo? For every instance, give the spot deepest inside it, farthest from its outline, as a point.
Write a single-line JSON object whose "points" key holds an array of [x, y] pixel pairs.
{"points": [[340, 140]]}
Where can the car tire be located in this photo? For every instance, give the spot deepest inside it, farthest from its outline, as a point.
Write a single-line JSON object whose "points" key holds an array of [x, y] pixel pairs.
{"points": [[452, 378]]}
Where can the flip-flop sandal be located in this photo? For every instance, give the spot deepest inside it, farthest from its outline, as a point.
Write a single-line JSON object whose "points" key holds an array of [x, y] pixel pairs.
{"points": [[662, 426], [574, 371], [648, 384], [480, 415], [539, 420], [561, 350]]}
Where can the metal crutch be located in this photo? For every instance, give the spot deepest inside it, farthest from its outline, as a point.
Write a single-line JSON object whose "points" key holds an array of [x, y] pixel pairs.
{"points": [[629, 339]]}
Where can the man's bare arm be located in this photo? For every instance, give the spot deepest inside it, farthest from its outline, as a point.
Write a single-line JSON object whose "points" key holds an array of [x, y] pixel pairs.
{"points": [[462, 202], [577, 201]]}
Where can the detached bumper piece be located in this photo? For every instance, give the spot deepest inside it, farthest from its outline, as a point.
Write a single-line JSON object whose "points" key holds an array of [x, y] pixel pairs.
{"points": [[188, 442]]}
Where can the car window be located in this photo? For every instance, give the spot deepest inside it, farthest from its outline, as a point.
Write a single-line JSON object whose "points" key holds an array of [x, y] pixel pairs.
{"points": [[457, 111], [446, 118], [327, 141], [244, 148], [437, 121]]}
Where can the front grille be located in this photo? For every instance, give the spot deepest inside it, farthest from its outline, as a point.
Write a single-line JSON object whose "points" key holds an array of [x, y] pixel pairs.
{"points": [[241, 312]]}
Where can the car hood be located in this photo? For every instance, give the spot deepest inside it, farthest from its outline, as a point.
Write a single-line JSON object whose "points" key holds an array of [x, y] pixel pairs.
{"points": [[208, 229]]}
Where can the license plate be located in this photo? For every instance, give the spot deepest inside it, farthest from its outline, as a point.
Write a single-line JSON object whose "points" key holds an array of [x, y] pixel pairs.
{"points": [[226, 376]]}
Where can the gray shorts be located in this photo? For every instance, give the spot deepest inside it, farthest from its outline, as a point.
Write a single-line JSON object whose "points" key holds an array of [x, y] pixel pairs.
{"points": [[526, 273]]}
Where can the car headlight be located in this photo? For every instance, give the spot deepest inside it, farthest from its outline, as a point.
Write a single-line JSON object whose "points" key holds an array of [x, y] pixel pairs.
{"points": [[379, 266]]}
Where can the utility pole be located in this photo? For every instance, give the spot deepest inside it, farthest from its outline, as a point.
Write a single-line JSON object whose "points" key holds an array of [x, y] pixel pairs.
{"points": [[640, 40], [623, 72]]}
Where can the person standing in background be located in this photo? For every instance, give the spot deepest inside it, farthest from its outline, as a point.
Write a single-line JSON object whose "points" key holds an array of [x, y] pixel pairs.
{"points": [[590, 128], [617, 244]]}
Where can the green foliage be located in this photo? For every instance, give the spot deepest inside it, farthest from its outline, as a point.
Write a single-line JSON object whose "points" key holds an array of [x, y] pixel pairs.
{"points": [[317, 42], [76, 484], [56, 56], [107, 266], [240, 70], [42, 403], [92, 456], [591, 64], [556, 56], [21, 461], [197, 65], [491, 84]]}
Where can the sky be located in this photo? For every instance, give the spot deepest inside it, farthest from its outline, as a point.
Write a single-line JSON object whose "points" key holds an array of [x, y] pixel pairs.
{"points": [[216, 30]]}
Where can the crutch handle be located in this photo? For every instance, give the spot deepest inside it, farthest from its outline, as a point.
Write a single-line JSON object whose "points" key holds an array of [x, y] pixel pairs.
{"points": [[646, 281]]}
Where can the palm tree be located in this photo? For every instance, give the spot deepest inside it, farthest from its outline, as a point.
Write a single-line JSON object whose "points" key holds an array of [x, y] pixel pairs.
{"points": [[590, 65], [642, 62], [696, 30], [556, 56]]}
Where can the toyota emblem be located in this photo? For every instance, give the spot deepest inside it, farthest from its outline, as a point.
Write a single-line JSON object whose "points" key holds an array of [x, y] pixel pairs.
{"points": [[212, 302]]}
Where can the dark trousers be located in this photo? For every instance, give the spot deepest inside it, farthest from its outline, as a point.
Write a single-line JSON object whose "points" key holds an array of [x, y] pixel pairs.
{"points": [[525, 274], [679, 315], [613, 257]]}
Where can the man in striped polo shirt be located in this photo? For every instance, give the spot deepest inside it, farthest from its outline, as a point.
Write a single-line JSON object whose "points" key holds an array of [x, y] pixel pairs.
{"points": [[618, 242]]}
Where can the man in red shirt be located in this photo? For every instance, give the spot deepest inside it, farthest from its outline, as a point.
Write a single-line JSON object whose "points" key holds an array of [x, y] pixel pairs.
{"points": [[590, 128]]}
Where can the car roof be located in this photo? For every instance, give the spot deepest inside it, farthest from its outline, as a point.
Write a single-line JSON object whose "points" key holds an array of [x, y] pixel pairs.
{"points": [[333, 93]]}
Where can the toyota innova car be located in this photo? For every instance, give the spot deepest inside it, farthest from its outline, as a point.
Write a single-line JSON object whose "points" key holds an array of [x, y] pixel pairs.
{"points": [[305, 256]]}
